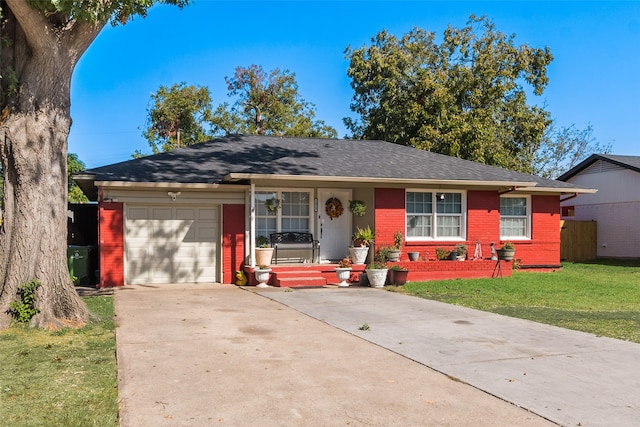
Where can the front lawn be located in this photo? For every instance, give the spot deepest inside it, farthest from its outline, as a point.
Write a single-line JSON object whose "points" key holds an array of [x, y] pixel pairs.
{"points": [[61, 378], [601, 297]]}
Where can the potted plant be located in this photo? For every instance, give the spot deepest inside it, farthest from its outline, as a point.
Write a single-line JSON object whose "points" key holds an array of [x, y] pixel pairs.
{"points": [[343, 271], [363, 236], [507, 251], [461, 250], [377, 274], [453, 255], [398, 275], [357, 207], [413, 256], [442, 254], [262, 273], [264, 253], [393, 252], [362, 240]]}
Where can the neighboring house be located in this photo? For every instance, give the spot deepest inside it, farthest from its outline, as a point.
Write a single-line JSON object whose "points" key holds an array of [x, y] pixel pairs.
{"points": [[615, 206], [192, 214]]}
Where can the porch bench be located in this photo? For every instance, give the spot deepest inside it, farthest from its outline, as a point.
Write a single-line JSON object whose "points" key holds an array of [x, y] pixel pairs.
{"points": [[294, 240]]}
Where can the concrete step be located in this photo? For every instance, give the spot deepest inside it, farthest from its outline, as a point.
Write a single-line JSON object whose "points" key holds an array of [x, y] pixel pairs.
{"points": [[300, 281]]}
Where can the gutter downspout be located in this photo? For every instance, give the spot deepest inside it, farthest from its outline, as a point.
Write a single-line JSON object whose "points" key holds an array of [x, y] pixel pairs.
{"points": [[511, 190], [252, 225], [574, 195]]}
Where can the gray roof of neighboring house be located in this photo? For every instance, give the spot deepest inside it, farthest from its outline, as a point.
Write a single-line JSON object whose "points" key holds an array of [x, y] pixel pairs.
{"points": [[209, 162], [627, 162]]}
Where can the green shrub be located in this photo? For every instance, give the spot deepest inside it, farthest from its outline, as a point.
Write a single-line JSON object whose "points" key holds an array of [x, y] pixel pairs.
{"points": [[23, 309]]}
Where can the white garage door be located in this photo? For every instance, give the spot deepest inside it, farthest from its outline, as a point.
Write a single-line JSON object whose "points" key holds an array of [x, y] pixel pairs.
{"points": [[170, 244]]}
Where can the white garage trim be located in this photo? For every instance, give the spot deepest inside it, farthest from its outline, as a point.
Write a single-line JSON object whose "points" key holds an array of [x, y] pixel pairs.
{"points": [[171, 243]]}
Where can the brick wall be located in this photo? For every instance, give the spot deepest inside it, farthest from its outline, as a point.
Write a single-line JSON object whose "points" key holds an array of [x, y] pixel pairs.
{"points": [[233, 218], [111, 247], [544, 247], [483, 225], [389, 214]]}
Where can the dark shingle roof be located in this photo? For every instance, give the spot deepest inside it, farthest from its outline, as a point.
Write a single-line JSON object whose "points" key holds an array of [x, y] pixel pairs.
{"points": [[627, 162], [209, 162]]}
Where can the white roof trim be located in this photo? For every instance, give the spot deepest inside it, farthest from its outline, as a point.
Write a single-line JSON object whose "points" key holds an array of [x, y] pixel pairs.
{"points": [[193, 186], [556, 190]]}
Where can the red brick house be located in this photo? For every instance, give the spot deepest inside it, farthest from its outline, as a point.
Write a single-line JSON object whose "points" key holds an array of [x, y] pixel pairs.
{"points": [[192, 215]]}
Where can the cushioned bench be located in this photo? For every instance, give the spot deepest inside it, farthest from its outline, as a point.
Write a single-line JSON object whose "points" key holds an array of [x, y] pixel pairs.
{"points": [[294, 240]]}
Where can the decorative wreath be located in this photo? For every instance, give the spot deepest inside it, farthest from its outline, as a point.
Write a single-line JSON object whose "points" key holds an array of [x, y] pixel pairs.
{"points": [[333, 207]]}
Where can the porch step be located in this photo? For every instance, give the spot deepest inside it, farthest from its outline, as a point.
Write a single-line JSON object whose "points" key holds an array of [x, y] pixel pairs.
{"points": [[293, 281]]}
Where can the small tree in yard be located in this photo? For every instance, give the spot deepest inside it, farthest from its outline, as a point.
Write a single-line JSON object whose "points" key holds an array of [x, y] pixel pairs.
{"points": [[41, 43]]}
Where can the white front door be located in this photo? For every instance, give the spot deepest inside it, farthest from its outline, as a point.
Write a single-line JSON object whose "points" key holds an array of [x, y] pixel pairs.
{"points": [[334, 233]]}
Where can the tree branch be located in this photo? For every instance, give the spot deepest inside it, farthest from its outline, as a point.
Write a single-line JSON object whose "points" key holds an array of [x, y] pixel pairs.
{"points": [[32, 23]]}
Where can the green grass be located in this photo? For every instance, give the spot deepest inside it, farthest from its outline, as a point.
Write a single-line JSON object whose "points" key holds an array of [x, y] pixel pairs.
{"points": [[599, 297], [62, 378]]}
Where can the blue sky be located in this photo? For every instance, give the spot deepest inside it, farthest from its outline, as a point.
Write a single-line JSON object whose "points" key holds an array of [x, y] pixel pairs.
{"points": [[594, 78]]}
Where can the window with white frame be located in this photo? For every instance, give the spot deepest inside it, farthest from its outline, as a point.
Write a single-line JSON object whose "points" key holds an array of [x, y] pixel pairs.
{"points": [[289, 211], [435, 215], [515, 217]]}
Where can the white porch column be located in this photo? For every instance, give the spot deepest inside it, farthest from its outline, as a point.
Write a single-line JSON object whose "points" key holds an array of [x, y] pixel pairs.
{"points": [[252, 225]]}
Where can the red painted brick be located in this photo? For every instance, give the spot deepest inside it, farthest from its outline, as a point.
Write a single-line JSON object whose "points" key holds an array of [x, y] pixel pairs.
{"points": [[483, 225], [111, 247], [232, 241]]}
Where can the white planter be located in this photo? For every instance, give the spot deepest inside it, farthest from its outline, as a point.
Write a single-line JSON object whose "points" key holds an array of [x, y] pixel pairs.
{"points": [[358, 254], [263, 256], [377, 278], [343, 275], [262, 276], [506, 254]]}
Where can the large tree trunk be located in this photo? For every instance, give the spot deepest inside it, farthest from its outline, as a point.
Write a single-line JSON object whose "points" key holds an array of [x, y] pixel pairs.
{"points": [[34, 233], [34, 126]]}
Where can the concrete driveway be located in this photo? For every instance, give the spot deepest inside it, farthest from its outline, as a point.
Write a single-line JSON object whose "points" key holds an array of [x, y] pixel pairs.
{"points": [[568, 377], [204, 355]]}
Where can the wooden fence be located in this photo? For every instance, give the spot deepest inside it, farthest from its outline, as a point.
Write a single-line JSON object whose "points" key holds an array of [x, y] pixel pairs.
{"points": [[578, 240]]}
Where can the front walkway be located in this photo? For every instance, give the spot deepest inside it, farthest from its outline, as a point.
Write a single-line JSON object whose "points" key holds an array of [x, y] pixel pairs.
{"points": [[569, 377]]}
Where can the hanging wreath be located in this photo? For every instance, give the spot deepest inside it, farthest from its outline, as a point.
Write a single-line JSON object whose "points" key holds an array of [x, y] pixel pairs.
{"points": [[333, 207]]}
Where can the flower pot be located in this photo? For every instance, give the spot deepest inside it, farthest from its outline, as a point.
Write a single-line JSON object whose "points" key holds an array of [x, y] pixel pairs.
{"points": [[262, 276], [398, 277], [506, 254], [377, 277], [358, 254], [453, 255], [343, 275], [263, 256], [393, 255], [414, 256]]}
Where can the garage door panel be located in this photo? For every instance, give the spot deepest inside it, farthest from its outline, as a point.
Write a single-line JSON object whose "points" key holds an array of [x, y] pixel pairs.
{"points": [[161, 213], [171, 244], [185, 213], [205, 214], [207, 233], [137, 213]]}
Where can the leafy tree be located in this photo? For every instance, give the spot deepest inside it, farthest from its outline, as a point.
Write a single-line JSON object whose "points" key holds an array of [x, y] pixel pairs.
{"points": [[42, 42], [464, 97], [75, 165], [267, 104], [564, 148], [180, 115]]}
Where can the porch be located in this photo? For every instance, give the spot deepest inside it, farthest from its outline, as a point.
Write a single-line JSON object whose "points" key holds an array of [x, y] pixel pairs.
{"points": [[318, 275]]}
